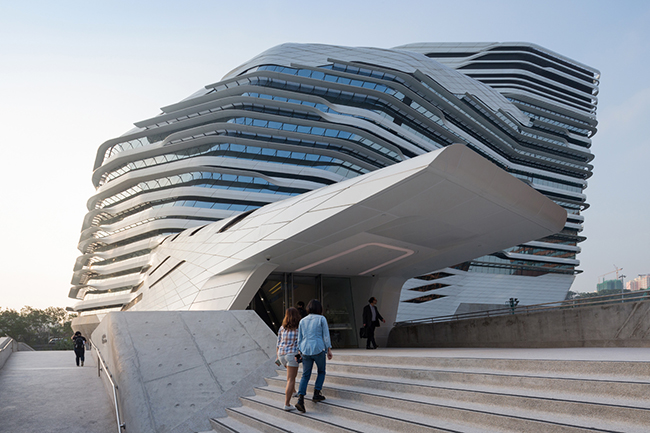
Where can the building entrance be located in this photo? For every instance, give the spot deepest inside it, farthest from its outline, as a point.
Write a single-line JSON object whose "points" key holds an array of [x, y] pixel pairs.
{"points": [[281, 291]]}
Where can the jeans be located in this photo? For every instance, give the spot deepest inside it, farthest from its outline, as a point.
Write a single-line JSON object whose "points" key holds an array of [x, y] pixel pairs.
{"points": [[307, 364]]}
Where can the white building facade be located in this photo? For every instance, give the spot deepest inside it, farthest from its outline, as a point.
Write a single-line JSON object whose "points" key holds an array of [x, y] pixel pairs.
{"points": [[298, 118]]}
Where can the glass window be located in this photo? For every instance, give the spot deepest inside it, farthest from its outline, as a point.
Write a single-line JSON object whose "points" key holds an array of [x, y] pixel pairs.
{"points": [[339, 311]]}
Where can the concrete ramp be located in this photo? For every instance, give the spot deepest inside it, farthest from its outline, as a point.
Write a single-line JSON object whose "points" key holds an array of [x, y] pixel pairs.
{"points": [[176, 370], [46, 392]]}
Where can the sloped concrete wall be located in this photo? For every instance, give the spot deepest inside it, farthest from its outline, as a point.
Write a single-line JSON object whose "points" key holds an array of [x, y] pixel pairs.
{"points": [[7, 346], [86, 324], [177, 369], [24, 347], [615, 325]]}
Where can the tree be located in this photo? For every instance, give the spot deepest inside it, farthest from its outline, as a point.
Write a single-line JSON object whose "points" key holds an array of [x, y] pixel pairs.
{"points": [[35, 327]]}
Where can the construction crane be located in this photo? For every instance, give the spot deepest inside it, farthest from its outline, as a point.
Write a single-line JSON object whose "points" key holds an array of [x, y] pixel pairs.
{"points": [[616, 269]]}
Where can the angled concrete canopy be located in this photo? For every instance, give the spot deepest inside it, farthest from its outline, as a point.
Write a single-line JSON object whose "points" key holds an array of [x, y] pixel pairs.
{"points": [[432, 211]]}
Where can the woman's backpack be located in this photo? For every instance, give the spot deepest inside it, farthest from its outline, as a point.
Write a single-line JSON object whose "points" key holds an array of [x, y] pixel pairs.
{"points": [[79, 342]]}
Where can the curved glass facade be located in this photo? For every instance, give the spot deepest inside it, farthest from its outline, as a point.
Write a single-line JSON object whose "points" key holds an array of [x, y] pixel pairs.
{"points": [[299, 117]]}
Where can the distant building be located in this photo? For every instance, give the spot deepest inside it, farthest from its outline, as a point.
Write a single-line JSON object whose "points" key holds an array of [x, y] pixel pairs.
{"points": [[610, 285], [642, 282]]}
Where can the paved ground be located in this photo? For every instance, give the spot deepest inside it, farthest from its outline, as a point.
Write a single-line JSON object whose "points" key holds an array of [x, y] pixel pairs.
{"points": [[46, 392]]}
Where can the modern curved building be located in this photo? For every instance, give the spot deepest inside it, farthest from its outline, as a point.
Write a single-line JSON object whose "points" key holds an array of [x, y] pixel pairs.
{"points": [[302, 117]]}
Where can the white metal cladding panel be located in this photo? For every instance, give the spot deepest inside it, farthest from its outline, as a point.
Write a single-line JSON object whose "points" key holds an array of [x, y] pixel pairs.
{"points": [[479, 288], [290, 55], [315, 55], [232, 257], [477, 59]]}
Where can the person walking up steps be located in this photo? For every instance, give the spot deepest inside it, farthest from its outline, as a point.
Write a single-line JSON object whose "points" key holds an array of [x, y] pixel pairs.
{"points": [[79, 347], [314, 345], [287, 350]]}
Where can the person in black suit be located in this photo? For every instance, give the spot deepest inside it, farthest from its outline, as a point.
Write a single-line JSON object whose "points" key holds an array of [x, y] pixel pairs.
{"points": [[79, 347], [371, 318], [300, 306]]}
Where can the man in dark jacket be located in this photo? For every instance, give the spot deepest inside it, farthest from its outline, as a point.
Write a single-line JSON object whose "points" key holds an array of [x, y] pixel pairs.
{"points": [[300, 306], [79, 347], [371, 318]]}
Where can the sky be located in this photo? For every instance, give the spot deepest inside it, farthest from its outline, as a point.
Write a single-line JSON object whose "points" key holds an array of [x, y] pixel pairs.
{"points": [[74, 74]]}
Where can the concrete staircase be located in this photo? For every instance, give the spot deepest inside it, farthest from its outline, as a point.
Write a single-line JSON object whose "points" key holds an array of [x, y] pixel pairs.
{"points": [[394, 393]]}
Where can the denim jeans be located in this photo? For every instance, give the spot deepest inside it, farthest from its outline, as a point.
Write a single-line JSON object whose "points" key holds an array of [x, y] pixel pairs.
{"points": [[307, 364]]}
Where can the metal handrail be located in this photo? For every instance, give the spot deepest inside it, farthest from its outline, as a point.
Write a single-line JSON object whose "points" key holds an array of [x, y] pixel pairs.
{"points": [[7, 343], [120, 425], [535, 308]]}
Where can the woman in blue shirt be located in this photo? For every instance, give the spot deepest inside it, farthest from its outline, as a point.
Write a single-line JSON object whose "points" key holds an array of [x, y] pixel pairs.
{"points": [[314, 345]]}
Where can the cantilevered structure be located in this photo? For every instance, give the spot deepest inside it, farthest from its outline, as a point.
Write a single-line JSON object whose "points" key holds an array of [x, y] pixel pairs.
{"points": [[559, 96], [362, 236], [302, 117]]}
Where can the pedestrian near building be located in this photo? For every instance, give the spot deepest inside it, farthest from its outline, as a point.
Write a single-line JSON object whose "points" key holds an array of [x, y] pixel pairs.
{"points": [[314, 346], [79, 347], [371, 318], [300, 306], [287, 349]]}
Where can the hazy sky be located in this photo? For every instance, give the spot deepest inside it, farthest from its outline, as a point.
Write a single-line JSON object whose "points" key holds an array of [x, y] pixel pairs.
{"points": [[74, 74]]}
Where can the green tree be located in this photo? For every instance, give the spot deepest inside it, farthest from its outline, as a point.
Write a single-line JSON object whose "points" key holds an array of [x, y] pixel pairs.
{"points": [[35, 327]]}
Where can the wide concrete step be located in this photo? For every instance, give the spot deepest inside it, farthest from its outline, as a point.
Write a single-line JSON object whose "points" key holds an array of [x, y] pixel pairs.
{"points": [[623, 391], [469, 415], [430, 394], [548, 400], [606, 370], [336, 416], [246, 421], [552, 403]]}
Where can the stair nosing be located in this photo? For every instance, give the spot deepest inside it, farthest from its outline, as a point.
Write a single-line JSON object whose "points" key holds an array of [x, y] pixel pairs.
{"points": [[479, 411], [256, 400], [489, 372], [504, 392]]}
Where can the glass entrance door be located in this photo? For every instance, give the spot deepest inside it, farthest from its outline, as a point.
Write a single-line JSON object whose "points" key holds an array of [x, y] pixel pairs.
{"points": [[304, 288], [281, 291], [269, 301], [339, 311]]}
